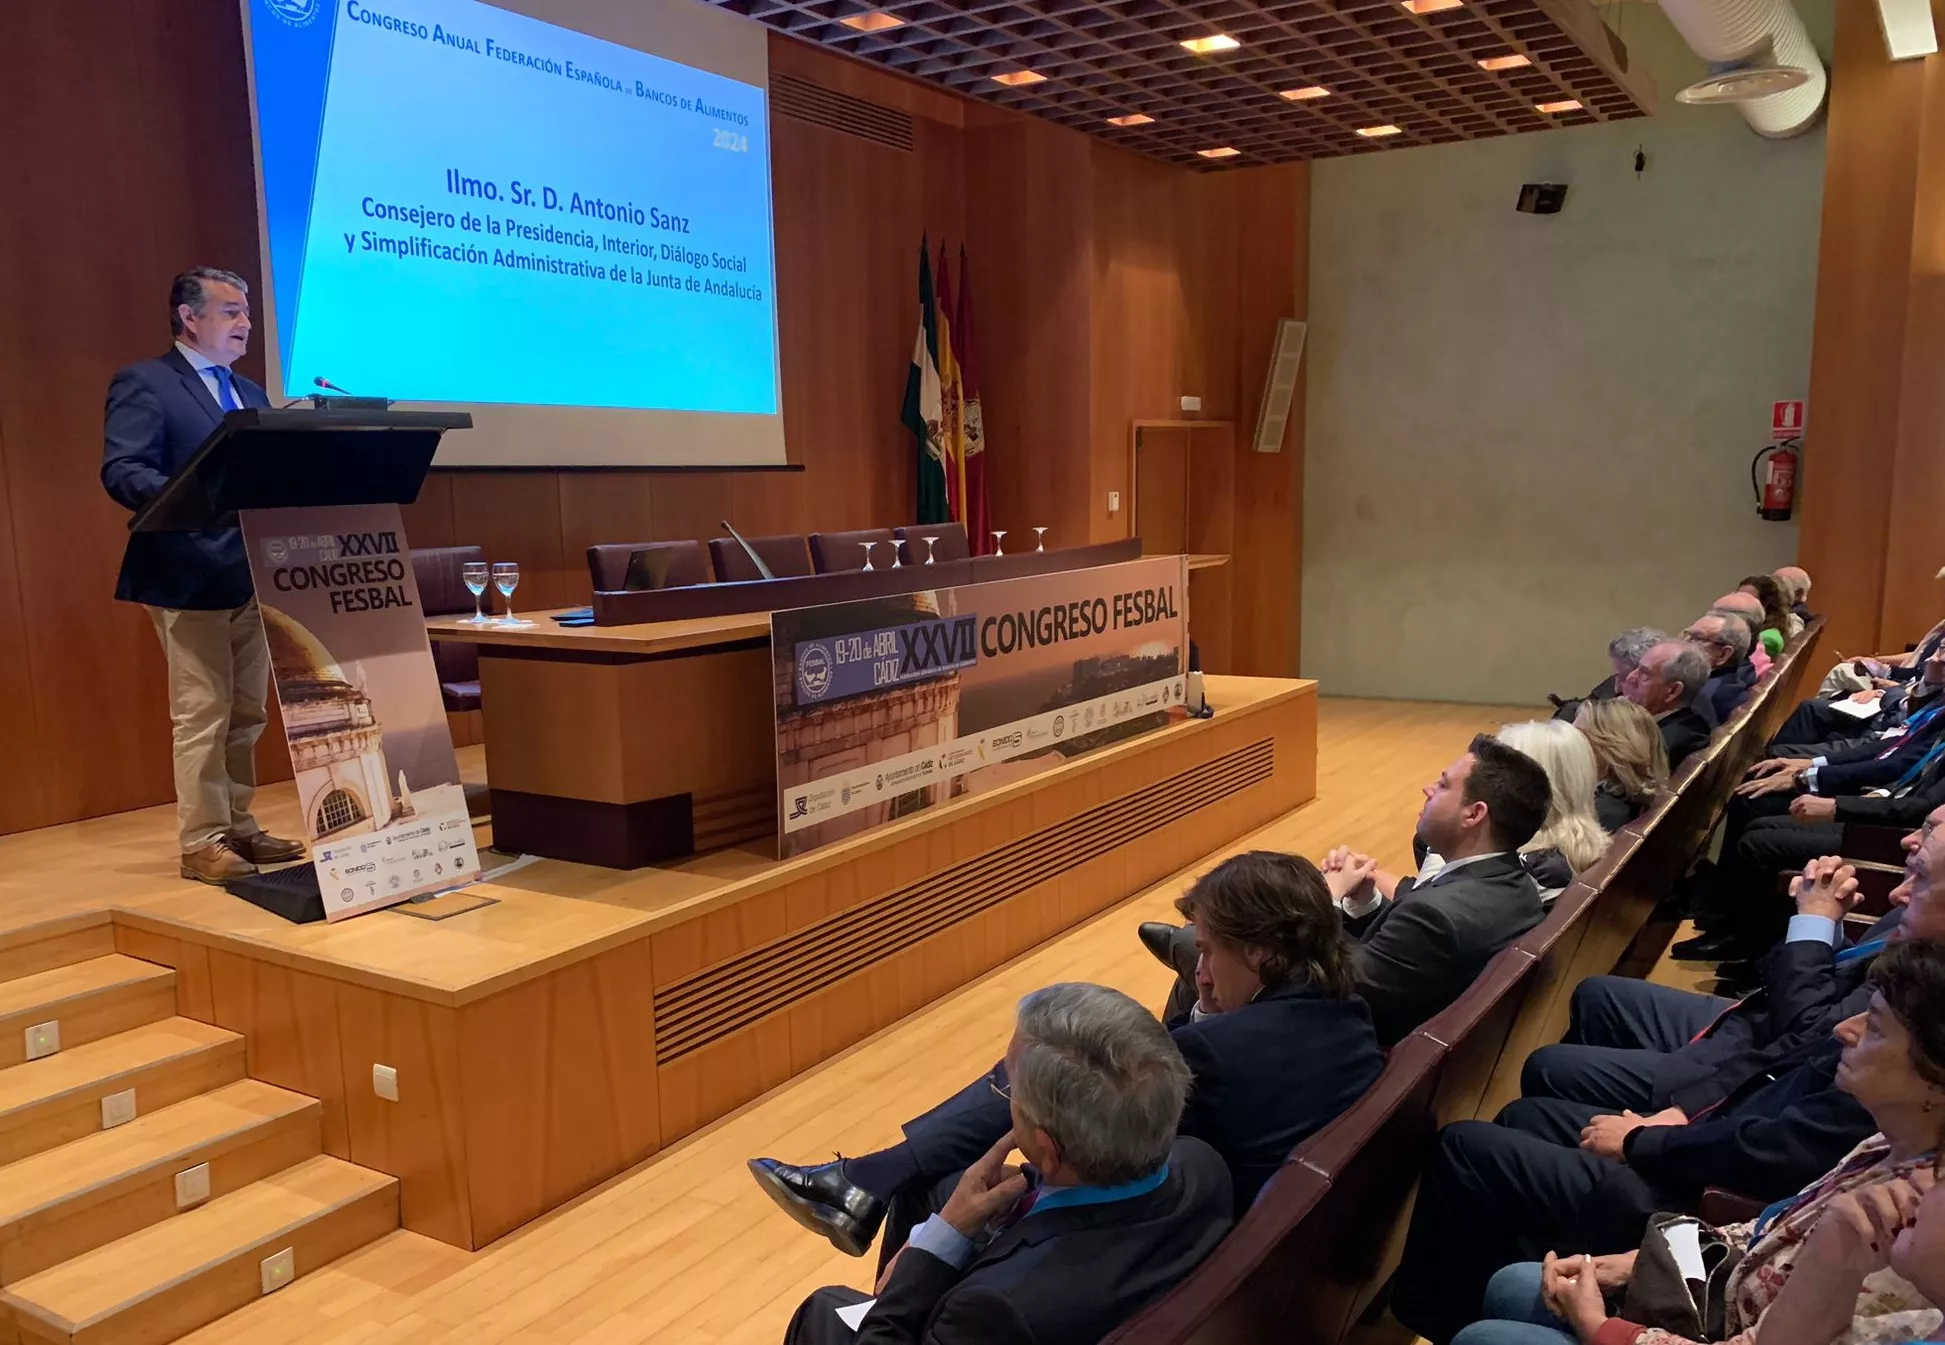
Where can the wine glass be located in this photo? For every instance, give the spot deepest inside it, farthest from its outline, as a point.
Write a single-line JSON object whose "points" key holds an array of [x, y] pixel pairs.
{"points": [[867, 554], [474, 572], [999, 535], [1040, 539], [506, 578], [896, 563], [931, 549]]}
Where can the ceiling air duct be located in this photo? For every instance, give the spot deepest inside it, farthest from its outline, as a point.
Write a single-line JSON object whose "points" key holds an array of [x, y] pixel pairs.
{"points": [[1760, 59]]}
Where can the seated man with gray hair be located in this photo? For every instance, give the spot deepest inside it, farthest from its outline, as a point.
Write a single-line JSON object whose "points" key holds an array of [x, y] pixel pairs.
{"points": [[1624, 653], [1665, 684], [1725, 638], [1110, 1211]]}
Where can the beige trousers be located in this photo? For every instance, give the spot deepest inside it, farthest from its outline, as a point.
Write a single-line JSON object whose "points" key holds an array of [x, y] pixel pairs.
{"points": [[219, 674]]}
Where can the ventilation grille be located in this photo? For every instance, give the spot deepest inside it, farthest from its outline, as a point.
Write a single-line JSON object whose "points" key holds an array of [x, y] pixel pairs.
{"points": [[731, 996], [804, 101]]}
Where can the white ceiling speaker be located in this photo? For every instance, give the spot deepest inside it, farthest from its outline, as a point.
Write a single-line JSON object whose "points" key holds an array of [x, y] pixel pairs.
{"points": [[1279, 386]]}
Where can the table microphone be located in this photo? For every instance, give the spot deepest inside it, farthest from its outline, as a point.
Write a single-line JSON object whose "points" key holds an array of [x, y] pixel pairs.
{"points": [[344, 401]]}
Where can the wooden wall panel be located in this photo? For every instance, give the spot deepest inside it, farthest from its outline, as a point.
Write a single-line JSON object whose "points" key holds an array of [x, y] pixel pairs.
{"points": [[1028, 224], [559, 1086], [1856, 365], [420, 1139], [22, 802]]}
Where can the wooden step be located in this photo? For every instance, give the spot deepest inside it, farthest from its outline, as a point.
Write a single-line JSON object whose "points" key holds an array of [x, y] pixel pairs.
{"points": [[90, 1000], [48, 1102], [59, 1204], [169, 1279], [54, 943]]}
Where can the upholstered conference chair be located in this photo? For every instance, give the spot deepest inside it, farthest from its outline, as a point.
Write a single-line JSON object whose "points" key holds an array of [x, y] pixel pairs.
{"points": [[786, 555], [608, 564], [952, 544], [443, 592], [835, 552]]}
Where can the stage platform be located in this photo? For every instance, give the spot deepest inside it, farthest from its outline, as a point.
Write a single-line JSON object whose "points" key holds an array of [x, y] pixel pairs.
{"points": [[587, 1018]]}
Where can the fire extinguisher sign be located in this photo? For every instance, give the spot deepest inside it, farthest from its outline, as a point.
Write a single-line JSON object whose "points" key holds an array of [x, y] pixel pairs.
{"points": [[1786, 421]]}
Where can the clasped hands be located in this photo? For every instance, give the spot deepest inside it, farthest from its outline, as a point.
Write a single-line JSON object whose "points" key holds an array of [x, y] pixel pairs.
{"points": [[1575, 1288], [1777, 775], [1827, 887], [1349, 875]]}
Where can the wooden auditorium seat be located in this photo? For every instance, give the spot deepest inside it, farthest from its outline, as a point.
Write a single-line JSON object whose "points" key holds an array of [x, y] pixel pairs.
{"points": [[787, 555], [1317, 1247], [951, 545], [608, 563], [443, 592], [832, 552]]}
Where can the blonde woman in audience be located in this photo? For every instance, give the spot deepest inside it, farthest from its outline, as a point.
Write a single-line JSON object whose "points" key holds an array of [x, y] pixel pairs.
{"points": [[1572, 831], [1630, 759]]}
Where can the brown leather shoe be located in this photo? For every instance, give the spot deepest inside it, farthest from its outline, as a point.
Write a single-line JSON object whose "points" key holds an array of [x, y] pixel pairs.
{"points": [[215, 863], [260, 847]]}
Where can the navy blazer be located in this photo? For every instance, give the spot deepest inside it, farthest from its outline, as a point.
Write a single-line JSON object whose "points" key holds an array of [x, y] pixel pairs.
{"points": [[1272, 1073], [159, 413], [1878, 763], [1684, 732], [1070, 1275]]}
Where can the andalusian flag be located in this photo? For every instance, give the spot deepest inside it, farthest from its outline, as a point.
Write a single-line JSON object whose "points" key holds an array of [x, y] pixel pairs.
{"points": [[922, 413], [976, 512], [952, 439]]}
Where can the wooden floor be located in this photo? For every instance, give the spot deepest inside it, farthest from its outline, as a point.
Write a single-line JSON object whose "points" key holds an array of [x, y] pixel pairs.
{"points": [[684, 1248]]}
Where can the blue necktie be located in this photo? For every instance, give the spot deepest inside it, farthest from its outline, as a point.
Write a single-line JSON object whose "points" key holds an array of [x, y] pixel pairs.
{"points": [[225, 388]]}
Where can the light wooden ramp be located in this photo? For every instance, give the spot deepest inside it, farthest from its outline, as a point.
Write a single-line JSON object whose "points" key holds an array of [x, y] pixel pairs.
{"points": [[138, 1231]]}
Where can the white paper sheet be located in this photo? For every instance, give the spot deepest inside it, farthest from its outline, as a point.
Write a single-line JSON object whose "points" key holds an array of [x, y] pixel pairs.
{"points": [[1684, 1240], [853, 1316], [1845, 705]]}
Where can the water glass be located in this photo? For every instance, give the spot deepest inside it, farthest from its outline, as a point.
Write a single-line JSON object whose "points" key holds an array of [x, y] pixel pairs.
{"points": [[999, 535], [506, 578], [931, 549], [474, 572], [867, 554], [1040, 539]]}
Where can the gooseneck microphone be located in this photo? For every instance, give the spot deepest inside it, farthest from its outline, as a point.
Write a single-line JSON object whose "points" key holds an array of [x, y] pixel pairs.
{"points": [[325, 383]]}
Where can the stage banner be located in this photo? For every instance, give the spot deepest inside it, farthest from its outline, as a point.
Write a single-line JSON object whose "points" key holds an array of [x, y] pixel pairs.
{"points": [[376, 775], [888, 706]]}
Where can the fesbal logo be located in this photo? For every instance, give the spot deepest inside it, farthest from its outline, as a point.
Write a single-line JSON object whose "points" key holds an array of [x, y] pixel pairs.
{"points": [[296, 13], [814, 671]]}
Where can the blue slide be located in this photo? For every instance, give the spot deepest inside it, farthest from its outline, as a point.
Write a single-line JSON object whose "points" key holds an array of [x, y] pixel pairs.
{"points": [[467, 205]]}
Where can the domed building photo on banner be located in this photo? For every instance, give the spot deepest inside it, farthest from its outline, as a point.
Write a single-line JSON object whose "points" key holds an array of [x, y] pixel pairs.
{"points": [[346, 785]]}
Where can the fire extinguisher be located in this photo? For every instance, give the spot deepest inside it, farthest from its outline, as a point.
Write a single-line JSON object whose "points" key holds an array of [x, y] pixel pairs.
{"points": [[1775, 487]]}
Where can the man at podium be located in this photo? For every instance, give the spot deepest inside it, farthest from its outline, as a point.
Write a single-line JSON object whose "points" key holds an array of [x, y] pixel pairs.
{"points": [[196, 585]]}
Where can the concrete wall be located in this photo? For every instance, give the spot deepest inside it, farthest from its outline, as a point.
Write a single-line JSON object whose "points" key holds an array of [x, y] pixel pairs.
{"points": [[1528, 432]]}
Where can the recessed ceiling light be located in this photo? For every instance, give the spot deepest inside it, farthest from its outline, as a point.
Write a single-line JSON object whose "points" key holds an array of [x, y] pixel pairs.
{"points": [[1512, 62], [872, 21], [1132, 119], [1224, 152], [1306, 93], [1202, 46], [1377, 132], [1559, 105], [1432, 6], [1018, 77]]}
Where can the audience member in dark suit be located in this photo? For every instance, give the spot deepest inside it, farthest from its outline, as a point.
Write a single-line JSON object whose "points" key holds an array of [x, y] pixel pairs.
{"points": [[1274, 1039], [1630, 759], [1420, 944], [1724, 639], [1624, 652], [1111, 1210], [196, 585], [1665, 684], [1750, 1103]]}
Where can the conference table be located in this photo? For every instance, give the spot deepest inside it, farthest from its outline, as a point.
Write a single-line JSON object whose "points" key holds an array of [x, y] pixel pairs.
{"points": [[625, 745]]}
